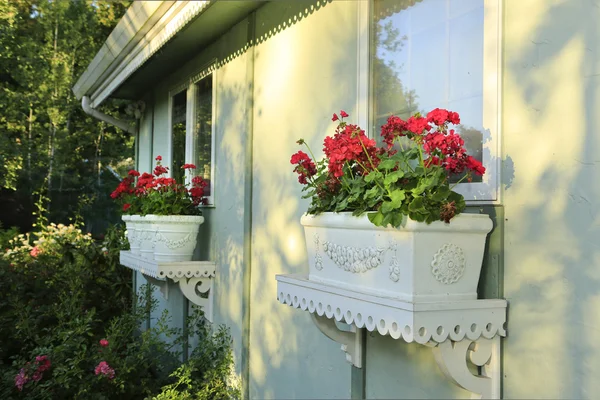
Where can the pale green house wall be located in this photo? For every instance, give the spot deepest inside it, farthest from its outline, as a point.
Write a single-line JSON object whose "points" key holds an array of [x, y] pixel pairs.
{"points": [[301, 74], [284, 355], [544, 248], [550, 122], [221, 237]]}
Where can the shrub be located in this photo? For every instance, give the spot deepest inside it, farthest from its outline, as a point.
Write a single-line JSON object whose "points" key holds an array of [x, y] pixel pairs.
{"points": [[70, 330]]}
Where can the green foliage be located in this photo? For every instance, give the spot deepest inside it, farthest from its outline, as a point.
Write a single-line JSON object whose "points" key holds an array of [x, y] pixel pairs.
{"points": [[45, 136], [6, 235], [62, 294], [39, 271], [208, 372], [168, 202], [389, 193]]}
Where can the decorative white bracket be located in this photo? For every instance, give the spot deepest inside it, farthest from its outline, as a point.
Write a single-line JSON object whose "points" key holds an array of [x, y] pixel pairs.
{"points": [[162, 284], [452, 358], [194, 289], [195, 278], [351, 341], [458, 331]]}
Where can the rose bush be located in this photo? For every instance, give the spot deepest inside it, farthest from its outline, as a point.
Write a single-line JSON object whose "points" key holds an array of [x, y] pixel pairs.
{"points": [[409, 176], [69, 330]]}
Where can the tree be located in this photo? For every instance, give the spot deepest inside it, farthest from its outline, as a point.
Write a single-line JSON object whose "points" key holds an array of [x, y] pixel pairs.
{"points": [[46, 141]]}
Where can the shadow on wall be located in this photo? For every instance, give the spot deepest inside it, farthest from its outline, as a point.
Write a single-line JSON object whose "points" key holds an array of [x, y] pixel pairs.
{"points": [[275, 331], [294, 97], [550, 126]]}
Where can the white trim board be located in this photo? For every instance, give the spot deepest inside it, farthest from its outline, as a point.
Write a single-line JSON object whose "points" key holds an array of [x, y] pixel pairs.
{"points": [[174, 19]]}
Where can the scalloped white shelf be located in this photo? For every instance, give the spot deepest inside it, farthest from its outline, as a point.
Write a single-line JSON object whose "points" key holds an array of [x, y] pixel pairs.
{"points": [[418, 322], [456, 330], [162, 270], [195, 278]]}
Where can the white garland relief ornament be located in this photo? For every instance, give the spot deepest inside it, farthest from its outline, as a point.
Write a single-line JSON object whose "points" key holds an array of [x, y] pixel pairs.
{"points": [[448, 264], [318, 259], [394, 264], [174, 244], [395, 269], [353, 259], [356, 260]]}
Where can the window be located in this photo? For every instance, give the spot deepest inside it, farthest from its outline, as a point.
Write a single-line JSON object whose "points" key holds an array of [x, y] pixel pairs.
{"points": [[441, 53], [192, 130], [178, 125], [203, 132]]}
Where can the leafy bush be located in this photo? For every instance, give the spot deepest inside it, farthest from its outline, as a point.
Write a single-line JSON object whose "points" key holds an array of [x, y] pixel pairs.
{"points": [[6, 235], [69, 328]]}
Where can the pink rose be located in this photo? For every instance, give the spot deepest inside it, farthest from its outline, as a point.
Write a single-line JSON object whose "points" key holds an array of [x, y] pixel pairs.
{"points": [[35, 251], [105, 369]]}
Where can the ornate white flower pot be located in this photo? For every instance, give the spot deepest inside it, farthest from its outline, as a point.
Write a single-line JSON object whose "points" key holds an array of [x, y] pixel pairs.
{"points": [[135, 243], [132, 223], [175, 236], [131, 231], [416, 262], [145, 236]]}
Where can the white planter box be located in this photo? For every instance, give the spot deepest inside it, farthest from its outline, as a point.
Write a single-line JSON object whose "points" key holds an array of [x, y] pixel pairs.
{"points": [[176, 236], [415, 263], [133, 225], [167, 238]]}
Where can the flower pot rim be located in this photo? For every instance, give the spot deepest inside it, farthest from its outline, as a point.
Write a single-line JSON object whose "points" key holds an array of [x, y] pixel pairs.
{"points": [[173, 218], [461, 222]]}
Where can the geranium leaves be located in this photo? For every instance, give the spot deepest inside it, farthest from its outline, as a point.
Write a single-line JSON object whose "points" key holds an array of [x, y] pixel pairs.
{"points": [[392, 177], [396, 197], [389, 193]]}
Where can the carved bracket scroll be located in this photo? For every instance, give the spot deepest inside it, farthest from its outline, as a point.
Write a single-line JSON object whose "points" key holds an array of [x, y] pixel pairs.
{"points": [[453, 359], [459, 332], [351, 341], [195, 278], [200, 292]]}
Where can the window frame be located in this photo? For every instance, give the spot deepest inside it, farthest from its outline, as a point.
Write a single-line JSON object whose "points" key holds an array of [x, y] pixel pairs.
{"points": [[485, 192], [189, 86]]}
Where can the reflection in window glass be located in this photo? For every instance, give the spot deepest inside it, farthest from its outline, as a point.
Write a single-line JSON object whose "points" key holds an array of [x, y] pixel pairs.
{"points": [[429, 55], [203, 131], [178, 136]]}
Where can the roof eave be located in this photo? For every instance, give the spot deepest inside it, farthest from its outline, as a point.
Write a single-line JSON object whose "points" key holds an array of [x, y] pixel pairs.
{"points": [[143, 30]]}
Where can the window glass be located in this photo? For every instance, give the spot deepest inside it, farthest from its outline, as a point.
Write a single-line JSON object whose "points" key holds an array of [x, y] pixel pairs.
{"points": [[178, 121], [203, 131], [428, 54]]}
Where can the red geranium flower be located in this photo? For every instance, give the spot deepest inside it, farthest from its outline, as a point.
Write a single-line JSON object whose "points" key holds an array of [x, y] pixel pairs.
{"points": [[160, 170], [305, 167]]}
